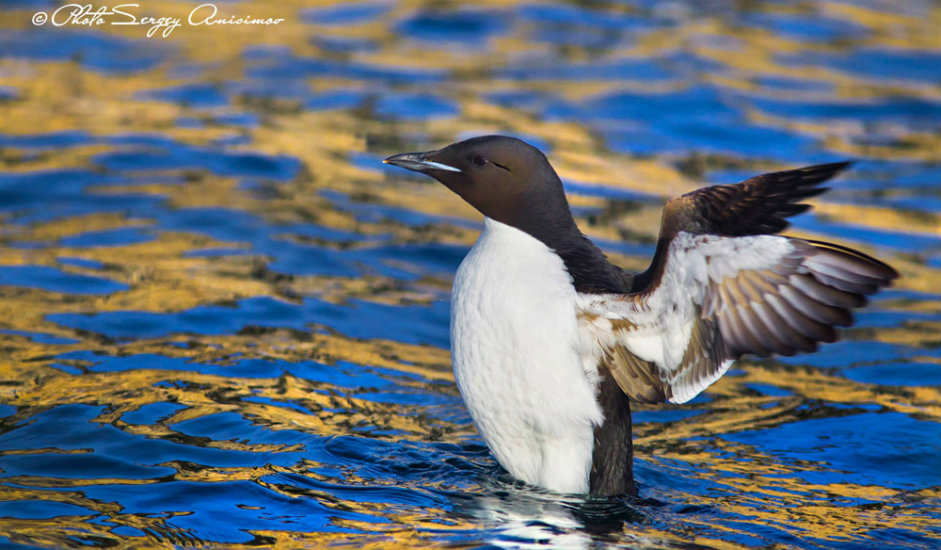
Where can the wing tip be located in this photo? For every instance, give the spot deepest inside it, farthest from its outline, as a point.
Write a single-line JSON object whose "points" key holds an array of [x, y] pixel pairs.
{"points": [[883, 273], [830, 167], [841, 165], [817, 174]]}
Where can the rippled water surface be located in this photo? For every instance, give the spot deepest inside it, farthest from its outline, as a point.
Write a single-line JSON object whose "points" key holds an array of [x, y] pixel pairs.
{"points": [[224, 322]]}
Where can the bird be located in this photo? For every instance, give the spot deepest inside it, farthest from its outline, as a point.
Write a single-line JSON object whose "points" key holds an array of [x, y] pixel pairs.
{"points": [[550, 341]]}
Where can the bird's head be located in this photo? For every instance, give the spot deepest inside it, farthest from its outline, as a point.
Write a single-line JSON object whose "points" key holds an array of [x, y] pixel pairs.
{"points": [[504, 178]]}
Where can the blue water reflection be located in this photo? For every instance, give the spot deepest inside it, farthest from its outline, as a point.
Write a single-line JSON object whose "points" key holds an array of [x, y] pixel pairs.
{"points": [[55, 280], [460, 26], [107, 54], [856, 448]]}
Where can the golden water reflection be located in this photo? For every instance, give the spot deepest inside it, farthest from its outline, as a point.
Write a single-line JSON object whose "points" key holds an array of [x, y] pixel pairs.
{"points": [[248, 260]]}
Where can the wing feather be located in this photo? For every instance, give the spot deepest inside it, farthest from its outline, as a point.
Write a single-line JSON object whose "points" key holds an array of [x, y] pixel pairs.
{"points": [[722, 297], [639, 377], [756, 206]]}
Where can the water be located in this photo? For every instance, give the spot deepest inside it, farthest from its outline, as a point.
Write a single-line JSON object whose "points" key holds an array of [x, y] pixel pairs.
{"points": [[224, 323]]}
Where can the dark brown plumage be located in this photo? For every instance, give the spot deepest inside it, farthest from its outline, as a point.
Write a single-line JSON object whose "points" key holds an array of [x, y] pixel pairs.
{"points": [[756, 206]]}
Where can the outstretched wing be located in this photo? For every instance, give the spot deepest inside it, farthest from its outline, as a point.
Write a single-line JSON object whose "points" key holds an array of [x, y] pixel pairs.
{"points": [[756, 206], [714, 293]]}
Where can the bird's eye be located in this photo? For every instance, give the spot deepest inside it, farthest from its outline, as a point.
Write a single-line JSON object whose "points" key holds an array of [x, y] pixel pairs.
{"points": [[479, 160]]}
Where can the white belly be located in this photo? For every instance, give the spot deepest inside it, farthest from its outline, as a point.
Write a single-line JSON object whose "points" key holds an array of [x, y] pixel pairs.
{"points": [[514, 344]]}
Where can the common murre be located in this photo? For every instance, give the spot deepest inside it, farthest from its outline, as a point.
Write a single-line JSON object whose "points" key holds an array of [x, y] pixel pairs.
{"points": [[549, 339]]}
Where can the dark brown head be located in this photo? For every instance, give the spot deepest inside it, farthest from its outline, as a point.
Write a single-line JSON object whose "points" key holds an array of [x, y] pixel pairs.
{"points": [[506, 179]]}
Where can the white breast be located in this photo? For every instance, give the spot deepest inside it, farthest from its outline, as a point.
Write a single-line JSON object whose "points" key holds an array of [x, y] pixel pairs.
{"points": [[514, 340]]}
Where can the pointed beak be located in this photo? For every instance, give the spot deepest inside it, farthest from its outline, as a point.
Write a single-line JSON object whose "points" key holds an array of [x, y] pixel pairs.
{"points": [[418, 162]]}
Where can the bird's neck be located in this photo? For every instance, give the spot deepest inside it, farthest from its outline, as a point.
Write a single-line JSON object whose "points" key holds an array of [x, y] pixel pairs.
{"points": [[543, 212], [590, 269]]}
